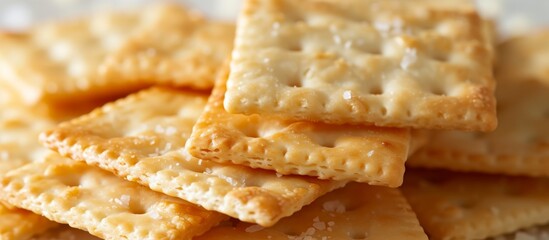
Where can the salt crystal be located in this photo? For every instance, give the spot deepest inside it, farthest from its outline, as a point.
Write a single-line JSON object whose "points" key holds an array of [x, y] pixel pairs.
{"points": [[409, 58], [347, 95], [370, 153]]}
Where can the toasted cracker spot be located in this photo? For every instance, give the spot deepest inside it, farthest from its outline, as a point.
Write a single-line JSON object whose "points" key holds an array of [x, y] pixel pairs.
{"points": [[114, 53], [520, 144], [389, 63], [339, 152], [474, 206], [357, 211], [67, 192], [142, 139]]}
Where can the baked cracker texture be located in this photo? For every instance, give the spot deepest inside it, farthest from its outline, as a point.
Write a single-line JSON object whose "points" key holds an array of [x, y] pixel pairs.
{"points": [[357, 211], [421, 64], [520, 144], [142, 137], [114, 53], [96, 201], [452, 205], [375, 155], [19, 129]]}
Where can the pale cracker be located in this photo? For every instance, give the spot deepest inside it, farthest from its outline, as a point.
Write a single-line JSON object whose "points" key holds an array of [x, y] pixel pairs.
{"points": [[64, 232], [357, 211], [520, 144], [142, 138], [114, 53], [369, 154], [474, 206], [397, 63], [106, 206]]}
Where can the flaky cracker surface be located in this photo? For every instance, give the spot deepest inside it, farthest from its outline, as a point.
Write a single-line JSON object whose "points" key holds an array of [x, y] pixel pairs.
{"points": [[357, 211], [142, 139], [369, 154], [421, 64]]}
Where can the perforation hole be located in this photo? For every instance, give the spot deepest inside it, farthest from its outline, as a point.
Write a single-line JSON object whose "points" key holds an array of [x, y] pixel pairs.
{"points": [[439, 91], [71, 180], [376, 90], [136, 208], [358, 234], [383, 111], [295, 82], [439, 56], [295, 47]]}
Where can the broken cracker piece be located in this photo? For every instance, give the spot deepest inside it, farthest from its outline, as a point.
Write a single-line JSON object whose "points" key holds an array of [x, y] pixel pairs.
{"points": [[142, 137]]}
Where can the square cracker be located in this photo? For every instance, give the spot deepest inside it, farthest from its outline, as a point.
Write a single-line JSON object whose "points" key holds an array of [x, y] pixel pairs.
{"points": [[375, 155], [114, 53], [399, 63], [96, 201], [475, 206], [520, 144], [142, 139], [357, 211]]}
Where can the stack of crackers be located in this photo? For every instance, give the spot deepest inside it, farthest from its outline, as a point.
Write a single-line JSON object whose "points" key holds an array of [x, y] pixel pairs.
{"points": [[312, 119]]}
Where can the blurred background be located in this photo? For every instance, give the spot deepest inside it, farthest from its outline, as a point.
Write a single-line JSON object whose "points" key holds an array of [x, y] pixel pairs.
{"points": [[514, 16]]}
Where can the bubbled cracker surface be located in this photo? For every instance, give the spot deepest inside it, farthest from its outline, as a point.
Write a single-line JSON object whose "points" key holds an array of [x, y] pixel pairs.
{"points": [[339, 152], [417, 64], [520, 144], [474, 206], [357, 211], [102, 204], [113, 53], [17, 223], [142, 138]]}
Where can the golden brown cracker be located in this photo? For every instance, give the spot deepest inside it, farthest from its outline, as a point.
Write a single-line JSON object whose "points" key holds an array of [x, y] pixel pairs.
{"points": [[142, 138], [421, 64], [520, 144], [96, 201], [357, 211], [369, 154], [475, 206], [114, 53]]}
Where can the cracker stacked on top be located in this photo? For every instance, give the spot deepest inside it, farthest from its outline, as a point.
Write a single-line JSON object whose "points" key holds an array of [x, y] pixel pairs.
{"points": [[305, 134]]}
